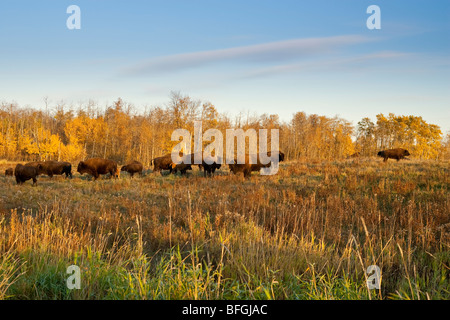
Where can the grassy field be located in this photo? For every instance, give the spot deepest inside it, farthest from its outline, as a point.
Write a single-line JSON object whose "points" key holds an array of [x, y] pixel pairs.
{"points": [[308, 232]]}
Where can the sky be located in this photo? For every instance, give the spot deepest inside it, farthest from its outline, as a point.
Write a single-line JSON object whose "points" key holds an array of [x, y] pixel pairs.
{"points": [[252, 56]]}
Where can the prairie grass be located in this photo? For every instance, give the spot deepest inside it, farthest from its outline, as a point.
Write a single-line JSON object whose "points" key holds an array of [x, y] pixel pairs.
{"points": [[309, 232]]}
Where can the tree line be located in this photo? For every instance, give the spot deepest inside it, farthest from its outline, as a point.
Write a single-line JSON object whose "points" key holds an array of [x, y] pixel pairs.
{"points": [[121, 133]]}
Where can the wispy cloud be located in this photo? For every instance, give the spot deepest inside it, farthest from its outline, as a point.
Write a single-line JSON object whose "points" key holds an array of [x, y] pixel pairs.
{"points": [[353, 63], [273, 52]]}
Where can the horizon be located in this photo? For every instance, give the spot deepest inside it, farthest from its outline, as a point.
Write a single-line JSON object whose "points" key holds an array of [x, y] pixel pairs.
{"points": [[256, 57]]}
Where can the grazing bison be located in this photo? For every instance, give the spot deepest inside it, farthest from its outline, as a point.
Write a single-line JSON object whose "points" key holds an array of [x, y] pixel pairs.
{"points": [[247, 168], [9, 172], [133, 167], [24, 173], [397, 154], [98, 166], [35, 165], [210, 164], [182, 167], [162, 163], [51, 168]]}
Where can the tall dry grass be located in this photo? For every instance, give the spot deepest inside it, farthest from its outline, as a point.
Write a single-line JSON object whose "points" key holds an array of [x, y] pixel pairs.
{"points": [[308, 232]]}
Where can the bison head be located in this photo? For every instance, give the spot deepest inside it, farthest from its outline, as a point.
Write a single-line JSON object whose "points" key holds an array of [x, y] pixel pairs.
{"points": [[116, 173], [406, 153], [380, 154], [81, 167], [124, 168]]}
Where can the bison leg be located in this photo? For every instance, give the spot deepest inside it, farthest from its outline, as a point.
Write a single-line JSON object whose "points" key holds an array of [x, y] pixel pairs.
{"points": [[68, 173], [34, 181]]}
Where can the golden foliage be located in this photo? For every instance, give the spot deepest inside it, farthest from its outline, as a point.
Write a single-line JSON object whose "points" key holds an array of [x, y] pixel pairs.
{"points": [[122, 134]]}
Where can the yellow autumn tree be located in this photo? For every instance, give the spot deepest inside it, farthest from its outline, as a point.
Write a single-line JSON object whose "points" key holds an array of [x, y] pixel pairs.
{"points": [[423, 140]]}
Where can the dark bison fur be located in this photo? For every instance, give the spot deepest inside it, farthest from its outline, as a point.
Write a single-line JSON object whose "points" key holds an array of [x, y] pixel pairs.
{"points": [[162, 163], [397, 154], [133, 167], [210, 165], [24, 173], [9, 172], [247, 168], [182, 167], [52, 168], [97, 166]]}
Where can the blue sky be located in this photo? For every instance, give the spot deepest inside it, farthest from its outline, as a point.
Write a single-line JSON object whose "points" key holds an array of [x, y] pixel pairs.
{"points": [[252, 56]]}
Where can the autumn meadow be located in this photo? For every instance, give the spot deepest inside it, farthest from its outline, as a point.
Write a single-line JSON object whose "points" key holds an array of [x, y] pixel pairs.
{"points": [[308, 232]]}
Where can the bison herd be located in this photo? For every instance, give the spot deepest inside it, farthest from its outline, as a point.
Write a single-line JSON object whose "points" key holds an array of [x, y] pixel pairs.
{"points": [[98, 166]]}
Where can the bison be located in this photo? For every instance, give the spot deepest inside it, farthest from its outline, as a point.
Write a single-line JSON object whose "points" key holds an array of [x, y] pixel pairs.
{"points": [[98, 166], [247, 168], [210, 164], [9, 172], [182, 167], [24, 173], [397, 154], [162, 163], [133, 167], [51, 168]]}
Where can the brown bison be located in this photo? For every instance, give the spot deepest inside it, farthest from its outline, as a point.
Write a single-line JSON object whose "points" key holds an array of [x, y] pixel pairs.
{"points": [[51, 168], [162, 163], [133, 167], [247, 168], [98, 166], [9, 172], [24, 173], [182, 167], [397, 154]]}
